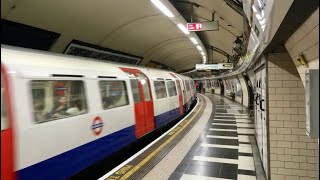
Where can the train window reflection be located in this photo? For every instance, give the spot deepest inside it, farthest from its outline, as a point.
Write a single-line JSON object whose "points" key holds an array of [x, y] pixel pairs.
{"points": [[57, 99], [160, 89], [113, 93], [135, 90], [172, 88], [4, 120], [145, 87]]}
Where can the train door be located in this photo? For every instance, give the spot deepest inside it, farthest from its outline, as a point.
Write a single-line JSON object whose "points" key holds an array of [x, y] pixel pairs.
{"points": [[7, 160], [143, 106], [179, 93]]}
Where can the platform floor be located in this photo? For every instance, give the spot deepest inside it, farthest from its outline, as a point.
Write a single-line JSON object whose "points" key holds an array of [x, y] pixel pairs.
{"points": [[211, 143]]}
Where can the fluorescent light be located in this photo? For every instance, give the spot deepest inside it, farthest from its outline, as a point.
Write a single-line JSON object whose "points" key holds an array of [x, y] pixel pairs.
{"points": [[199, 48], [258, 16], [162, 7], [183, 28], [263, 21], [202, 52], [260, 5], [194, 40], [254, 9]]}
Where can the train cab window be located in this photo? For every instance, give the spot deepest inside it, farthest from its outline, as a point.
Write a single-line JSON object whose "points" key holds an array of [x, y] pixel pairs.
{"points": [[160, 89], [135, 90], [4, 119], [57, 99], [171, 88], [113, 94]]}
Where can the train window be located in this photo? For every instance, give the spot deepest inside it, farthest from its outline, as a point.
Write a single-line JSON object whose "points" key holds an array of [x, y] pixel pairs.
{"points": [[160, 89], [4, 120], [114, 94], [57, 99], [172, 88], [145, 86], [135, 90]]}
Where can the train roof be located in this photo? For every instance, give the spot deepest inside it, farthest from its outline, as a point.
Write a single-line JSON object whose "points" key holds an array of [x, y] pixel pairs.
{"points": [[36, 63]]}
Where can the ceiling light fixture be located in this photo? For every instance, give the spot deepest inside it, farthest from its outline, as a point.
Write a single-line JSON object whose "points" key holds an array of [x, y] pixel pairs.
{"points": [[258, 17], [183, 28], [162, 8], [254, 9], [194, 40]]}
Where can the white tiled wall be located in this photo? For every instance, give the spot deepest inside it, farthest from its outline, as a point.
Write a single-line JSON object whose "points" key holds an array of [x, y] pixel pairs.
{"points": [[293, 155], [305, 40]]}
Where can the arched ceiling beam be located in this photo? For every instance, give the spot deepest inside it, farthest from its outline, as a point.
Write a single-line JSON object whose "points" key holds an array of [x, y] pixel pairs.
{"points": [[126, 24], [178, 61], [177, 51], [164, 43]]}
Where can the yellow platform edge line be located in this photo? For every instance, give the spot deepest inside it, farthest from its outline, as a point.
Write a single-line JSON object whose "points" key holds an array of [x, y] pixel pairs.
{"points": [[133, 170]]}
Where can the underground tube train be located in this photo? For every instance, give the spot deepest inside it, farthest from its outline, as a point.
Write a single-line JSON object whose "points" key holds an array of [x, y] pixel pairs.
{"points": [[61, 114]]}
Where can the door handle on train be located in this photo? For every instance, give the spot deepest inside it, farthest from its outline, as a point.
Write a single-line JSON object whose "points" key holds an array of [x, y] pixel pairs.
{"points": [[261, 104]]}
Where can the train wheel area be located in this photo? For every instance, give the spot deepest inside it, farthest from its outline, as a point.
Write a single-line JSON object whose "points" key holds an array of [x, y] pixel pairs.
{"points": [[216, 140]]}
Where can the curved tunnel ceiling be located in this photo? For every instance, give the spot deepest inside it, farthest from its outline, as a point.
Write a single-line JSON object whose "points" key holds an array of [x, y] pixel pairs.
{"points": [[230, 23], [132, 26]]}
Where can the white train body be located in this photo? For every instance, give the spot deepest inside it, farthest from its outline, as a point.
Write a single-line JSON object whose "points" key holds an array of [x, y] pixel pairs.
{"points": [[113, 111]]}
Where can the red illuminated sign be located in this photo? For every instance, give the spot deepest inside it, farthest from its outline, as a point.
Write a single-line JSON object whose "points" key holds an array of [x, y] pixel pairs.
{"points": [[194, 26]]}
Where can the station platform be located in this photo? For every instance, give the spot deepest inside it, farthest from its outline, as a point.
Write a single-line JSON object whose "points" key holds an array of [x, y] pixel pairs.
{"points": [[214, 141]]}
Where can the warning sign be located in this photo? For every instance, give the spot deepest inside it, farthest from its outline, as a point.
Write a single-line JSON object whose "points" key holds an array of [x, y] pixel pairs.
{"points": [[97, 125]]}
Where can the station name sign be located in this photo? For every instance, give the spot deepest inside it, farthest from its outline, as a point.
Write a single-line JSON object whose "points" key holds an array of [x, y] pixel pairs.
{"points": [[203, 26], [214, 66]]}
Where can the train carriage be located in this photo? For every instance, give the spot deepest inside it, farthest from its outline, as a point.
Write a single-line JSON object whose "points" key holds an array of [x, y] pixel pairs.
{"points": [[62, 114]]}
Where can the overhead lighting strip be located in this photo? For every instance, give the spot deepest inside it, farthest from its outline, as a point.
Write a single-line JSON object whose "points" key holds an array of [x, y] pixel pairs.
{"points": [[169, 10], [183, 29], [162, 8], [194, 40]]}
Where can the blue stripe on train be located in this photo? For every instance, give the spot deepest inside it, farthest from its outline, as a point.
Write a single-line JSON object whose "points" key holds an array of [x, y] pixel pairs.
{"points": [[166, 117], [71, 162]]}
